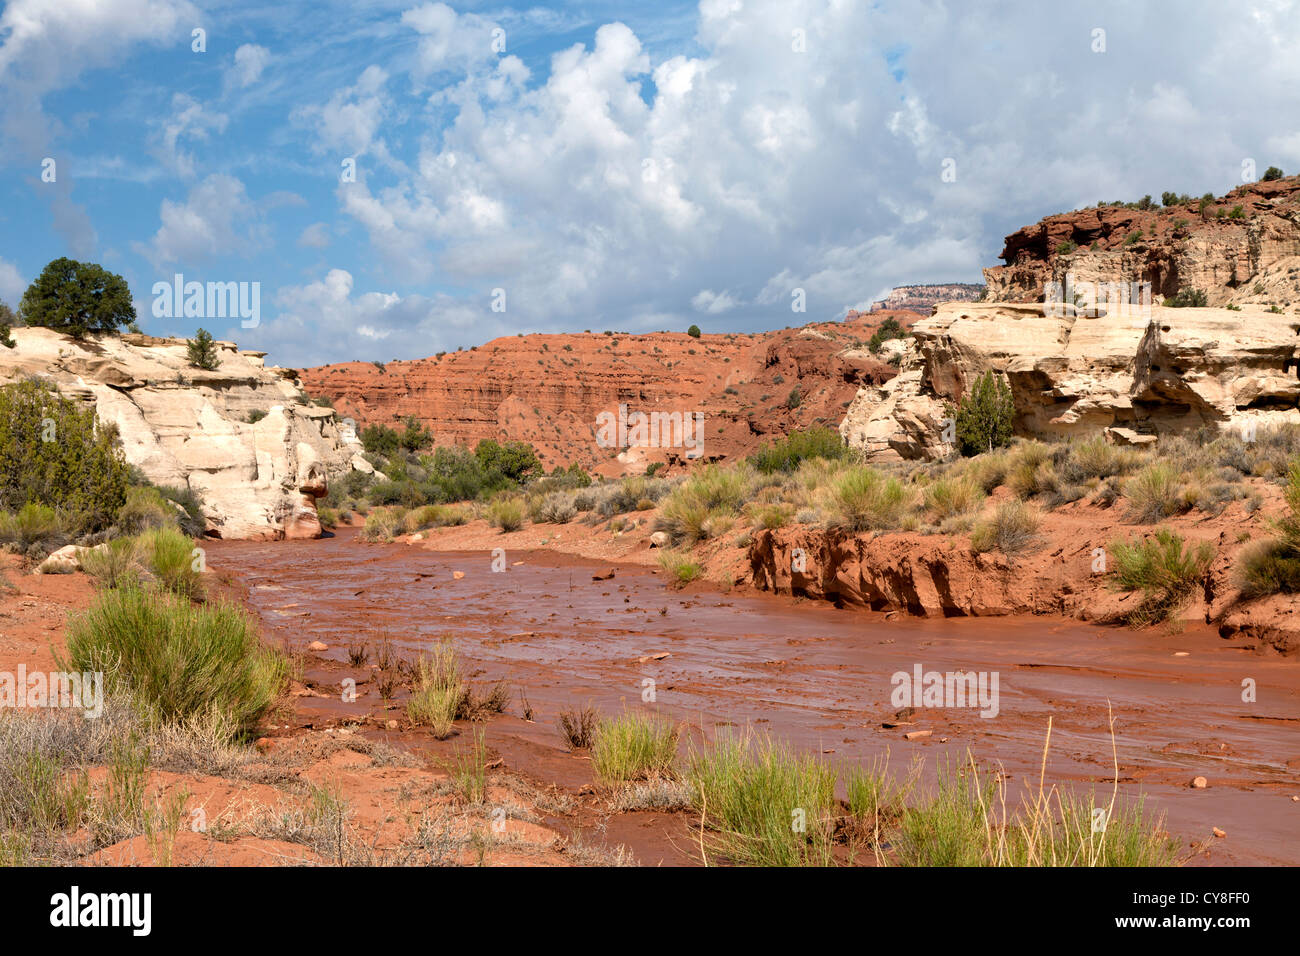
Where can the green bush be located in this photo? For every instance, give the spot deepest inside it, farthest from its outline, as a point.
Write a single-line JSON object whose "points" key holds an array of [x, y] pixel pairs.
{"points": [[1273, 567], [1161, 568], [862, 499], [985, 416], [77, 297], [786, 454], [116, 563], [506, 513], [693, 331], [33, 525], [145, 510], [170, 556], [1154, 493], [516, 461], [178, 659], [1187, 299], [888, 329], [1271, 174], [953, 497], [1012, 528], [53, 452]]}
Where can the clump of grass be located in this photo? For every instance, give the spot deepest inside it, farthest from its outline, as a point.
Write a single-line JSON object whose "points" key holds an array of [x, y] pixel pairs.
{"points": [[470, 772], [1273, 567], [578, 727], [681, 568], [506, 513], [556, 508], [433, 516], [381, 525], [1012, 528], [1097, 458], [1154, 493], [181, 661], [438, 694], [953, 497], [114, 564], [763, 804], [787, 454], [862, 499], [1030, 471], [1163, 569], [170, 556], [697, 508], [634, 746]]}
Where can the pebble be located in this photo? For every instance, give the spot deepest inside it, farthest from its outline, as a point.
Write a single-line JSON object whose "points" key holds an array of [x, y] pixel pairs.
{"points": [[1200, 783], [317, 646]]}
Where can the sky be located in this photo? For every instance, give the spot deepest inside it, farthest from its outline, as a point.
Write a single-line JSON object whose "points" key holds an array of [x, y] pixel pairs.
{"points": [[395, 179]]}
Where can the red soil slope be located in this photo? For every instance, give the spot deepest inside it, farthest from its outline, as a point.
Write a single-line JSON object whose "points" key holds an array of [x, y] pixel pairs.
{"points": [[548, 389]]}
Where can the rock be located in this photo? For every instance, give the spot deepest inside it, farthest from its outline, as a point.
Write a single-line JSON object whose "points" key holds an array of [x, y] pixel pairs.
{"points": [[659, 539], [264, 744], [317, 646], [608, 575], [391, 725], [917, 734], [1219, 833], [189, 427], [66, 560], [458, 574], [1200, 783], [1135, 378]]}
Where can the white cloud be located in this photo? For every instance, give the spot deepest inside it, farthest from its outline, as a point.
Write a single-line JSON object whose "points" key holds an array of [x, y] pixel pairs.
{"points": [[713, 303], [315, 236], [216, 219], [189, 120], [250, 61], [12, 285]]}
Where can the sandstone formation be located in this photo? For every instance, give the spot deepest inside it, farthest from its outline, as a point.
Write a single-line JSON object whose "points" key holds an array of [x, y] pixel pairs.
{"points": [[1132, 376], [1247, 257], [923, 298], [549, 389], [189, 427]]}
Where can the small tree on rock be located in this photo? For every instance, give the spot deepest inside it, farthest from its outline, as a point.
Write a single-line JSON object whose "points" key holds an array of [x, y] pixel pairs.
{"points": [[202, 351], [985, 415]]}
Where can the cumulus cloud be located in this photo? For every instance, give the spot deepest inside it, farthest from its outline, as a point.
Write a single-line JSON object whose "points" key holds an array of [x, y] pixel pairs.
{"points": [[216, 219], [189, 120]]}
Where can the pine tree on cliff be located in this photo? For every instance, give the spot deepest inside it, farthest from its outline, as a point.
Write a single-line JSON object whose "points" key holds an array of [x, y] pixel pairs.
{"points": [[202, 351], [77, 297], [985, 415]]}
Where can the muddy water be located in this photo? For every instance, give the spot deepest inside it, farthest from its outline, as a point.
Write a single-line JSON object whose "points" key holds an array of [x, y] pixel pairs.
{"points": [[821, 677]]}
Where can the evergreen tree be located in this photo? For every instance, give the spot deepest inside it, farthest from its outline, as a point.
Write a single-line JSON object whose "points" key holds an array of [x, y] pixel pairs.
{"points": [[77, 297], [985, 415], [202, 351]]}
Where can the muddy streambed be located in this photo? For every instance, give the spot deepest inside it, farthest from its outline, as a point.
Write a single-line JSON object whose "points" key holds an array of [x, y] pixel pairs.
{"points": [[816, 675]]}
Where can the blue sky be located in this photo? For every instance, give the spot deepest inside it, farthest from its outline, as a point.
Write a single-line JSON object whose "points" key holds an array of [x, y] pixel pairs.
{"points": [[630, 166]]}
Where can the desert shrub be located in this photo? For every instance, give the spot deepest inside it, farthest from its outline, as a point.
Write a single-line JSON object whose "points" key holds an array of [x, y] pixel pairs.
{"points": [[751, 789], [381, 525], [116, 563], [952, 497], [1097, 458], [53, 452], [710, 493], [681, 568], [514, 461], [862, 499], [578, 727], [772, 516], [556, 508], [328, 517], [786, 454], [1187, 298], [169, 555], [693, 331], [1154, 493], [1161, 568], [989, 470], [438, 694], [888, 329], [1029, 470], [506, 513], [632, 747], [145, 510], [33, 526], [1273, 566], [178, 659], [985, 415], [1012, 528]]}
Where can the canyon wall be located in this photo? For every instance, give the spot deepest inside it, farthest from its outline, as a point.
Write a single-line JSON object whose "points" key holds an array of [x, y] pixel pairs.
{"points": [[549, 390], [190, 427]]}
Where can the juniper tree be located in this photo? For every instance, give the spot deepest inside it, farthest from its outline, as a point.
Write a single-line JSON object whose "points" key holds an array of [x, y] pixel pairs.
{"points": [[202, 351]]}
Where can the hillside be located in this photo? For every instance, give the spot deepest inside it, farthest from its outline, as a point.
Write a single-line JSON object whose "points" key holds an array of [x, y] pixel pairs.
{"points": [[1240, 248], [923, 298], [549, 389]]}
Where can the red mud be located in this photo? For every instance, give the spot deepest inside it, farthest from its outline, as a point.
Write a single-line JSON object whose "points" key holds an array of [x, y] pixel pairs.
{"points": [[813, 674]]}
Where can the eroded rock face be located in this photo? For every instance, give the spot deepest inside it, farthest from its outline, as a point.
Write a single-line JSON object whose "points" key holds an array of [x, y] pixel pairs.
{"points": [[1134, 376], [549, 389], [189, 427], [1248, 258]]}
